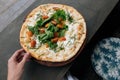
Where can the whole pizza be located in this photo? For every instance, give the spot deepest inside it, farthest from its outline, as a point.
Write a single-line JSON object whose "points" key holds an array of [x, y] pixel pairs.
{"points": [[53, 33]]}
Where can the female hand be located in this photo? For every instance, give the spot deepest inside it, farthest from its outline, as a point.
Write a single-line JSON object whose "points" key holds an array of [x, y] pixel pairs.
{"points": [[16, 64]]}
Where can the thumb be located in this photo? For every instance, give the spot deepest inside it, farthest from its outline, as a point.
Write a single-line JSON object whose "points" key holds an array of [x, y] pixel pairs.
{"points": [[25, 58]]}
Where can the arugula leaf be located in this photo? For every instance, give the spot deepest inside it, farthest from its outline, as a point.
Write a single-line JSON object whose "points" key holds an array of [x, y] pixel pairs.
{"points": [[52, 28], [39, 22], [46, 20], [56, 29], [59, 14], [38, 16], [31, 29], [49, 34], [52, 45], [46, 36], [59, 48], [34, 29], [62, 33], [65, 27], [43, 37], [70, 19], [40, 38]]}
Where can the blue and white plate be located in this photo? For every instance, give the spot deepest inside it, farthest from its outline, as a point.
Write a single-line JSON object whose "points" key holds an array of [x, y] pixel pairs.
{"points": [[106, 58]]}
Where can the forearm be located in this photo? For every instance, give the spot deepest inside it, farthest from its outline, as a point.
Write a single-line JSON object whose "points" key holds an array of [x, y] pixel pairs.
{"points": [[13, 77]]}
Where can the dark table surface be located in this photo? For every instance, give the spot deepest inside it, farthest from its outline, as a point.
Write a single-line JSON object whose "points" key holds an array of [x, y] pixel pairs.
{"points": [[94, 12], [82, 67]]}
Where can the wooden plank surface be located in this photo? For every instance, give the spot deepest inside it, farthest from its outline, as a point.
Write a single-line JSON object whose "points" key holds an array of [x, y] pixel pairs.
{"points": [[11, 9], [5, 4]]}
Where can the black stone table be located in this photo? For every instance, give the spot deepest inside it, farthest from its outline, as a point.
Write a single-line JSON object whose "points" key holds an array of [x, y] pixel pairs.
{"points": [[94, 12]]}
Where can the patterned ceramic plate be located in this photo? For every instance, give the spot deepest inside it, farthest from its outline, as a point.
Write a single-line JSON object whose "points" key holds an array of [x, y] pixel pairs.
{"points": [[106, 59]]}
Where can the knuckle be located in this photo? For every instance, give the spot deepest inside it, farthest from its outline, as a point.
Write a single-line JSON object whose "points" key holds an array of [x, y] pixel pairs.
{"points": [[16, 51], [9, 60]]}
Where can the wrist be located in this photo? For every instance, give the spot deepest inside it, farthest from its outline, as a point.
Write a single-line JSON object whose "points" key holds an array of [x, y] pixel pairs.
{"points": [[13, 77]]}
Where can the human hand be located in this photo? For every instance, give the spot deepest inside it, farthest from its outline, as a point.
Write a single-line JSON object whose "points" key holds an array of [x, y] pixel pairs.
{"points": [[16, 64]]}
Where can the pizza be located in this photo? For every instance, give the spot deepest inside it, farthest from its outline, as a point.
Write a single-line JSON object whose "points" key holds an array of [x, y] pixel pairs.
{"points": [[53, 33]]}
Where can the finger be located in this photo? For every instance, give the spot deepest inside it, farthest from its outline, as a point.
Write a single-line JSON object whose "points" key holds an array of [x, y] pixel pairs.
{"points": [[17, 53], [25, 58], [29, 57], [20, 57]]}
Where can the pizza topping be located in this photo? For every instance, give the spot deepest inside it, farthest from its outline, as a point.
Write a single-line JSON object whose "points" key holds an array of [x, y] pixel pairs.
{"points": [[41, 22], [42, 30], [46, 25], [62, 31], [56, 34], [59, 15], [34, 29], [70, 19], [47, 45], [54, 22], [45, 17], [59, 25], [37, 16], [29, 33], [50, 29], [62, 39], [54, 39], [56, 8], [52, 45], [33, 43]]}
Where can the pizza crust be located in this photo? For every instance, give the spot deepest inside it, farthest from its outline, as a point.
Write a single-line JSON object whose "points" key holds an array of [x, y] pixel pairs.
{"points": [[81, 33]]}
